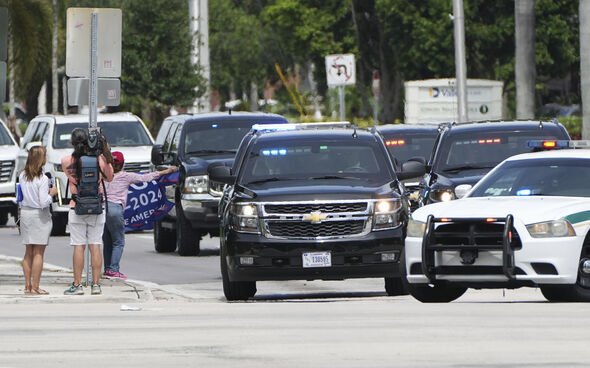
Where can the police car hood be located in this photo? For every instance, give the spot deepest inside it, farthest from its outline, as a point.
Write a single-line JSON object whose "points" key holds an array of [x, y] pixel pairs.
{"points": [[301, 190], [527, 210]]}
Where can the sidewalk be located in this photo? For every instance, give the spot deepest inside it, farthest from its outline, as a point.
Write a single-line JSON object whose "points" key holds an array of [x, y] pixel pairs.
{"points": [[56, 279]]}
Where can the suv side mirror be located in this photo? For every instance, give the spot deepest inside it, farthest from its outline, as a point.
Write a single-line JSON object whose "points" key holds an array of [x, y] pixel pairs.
{"points": [[161, 158], [221, 174], [411, 169]]}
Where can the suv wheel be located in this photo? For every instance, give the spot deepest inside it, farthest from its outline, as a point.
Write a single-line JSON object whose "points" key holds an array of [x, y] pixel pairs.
{"points": [[394, 286], [187, 239], [60, 221], [3, 217], [235, 290], [164, 239]]}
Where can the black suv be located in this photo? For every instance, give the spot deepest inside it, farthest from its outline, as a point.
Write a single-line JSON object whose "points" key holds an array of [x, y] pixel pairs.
{"points": [[311, 201], [464, 153], [193, 142]]}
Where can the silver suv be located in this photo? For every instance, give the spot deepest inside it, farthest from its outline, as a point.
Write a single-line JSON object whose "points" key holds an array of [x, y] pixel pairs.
{"points": [[8, 174], [125, 132]]}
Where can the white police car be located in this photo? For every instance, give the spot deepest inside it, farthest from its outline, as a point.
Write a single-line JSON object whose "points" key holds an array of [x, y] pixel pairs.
{"points": [[526, 223]]}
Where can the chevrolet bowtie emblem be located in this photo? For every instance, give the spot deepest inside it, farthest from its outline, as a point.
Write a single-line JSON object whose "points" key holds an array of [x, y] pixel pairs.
{"points": [[315, 217]]}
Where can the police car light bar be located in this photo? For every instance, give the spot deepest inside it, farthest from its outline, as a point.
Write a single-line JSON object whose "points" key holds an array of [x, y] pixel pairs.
{"points": [[299, 126], [558, 144]]}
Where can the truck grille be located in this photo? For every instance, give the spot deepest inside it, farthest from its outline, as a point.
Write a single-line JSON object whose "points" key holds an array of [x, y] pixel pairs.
{"points": [[6, 170], [138, 166], [305, 220], [216, 188], [309, 230]]}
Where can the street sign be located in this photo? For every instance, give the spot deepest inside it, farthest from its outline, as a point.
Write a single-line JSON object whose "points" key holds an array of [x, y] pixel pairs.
{"points": [[2, 81], [78, 34], [108, 94], [340, 70], [3, 34]]}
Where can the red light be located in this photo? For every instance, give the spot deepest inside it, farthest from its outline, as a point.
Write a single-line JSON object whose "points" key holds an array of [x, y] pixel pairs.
{"points": [[549, 144], [445, 220], [395, 142], [489, 141], [491, 219]]}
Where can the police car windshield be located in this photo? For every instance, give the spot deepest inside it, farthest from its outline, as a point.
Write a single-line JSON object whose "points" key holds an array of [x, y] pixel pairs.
{"points": [[469, 151], [316, 160], [537, 177], [406, 146], [222, 137], [5, 137], [118, 134]]}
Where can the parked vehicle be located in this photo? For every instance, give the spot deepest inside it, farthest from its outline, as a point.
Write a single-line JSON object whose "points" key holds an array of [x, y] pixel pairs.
{"points": [[311, 201], [526, 223], [464, 153], [193, 142], [8, 174], [124, 132]]}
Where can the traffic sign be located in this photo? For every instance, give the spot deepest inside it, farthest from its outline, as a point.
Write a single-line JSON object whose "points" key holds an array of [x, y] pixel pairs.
{"points": [[340, 70], [78, 34], [108, 91]]}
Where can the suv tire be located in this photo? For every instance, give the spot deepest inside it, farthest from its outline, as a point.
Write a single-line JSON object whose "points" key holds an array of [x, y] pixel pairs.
{"points": [[164, 239], [394, 286], [3, 217], [235, 290], [60, 221], [187, 239]]}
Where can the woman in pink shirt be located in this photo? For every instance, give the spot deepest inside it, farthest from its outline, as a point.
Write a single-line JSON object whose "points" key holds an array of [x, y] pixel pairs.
{"points": [[114, 231]]}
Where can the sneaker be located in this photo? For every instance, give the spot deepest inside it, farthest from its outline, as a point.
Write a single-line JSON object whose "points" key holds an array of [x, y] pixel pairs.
{"points": [[95, 289], [109, 273], [74, 290], [120, 275]]}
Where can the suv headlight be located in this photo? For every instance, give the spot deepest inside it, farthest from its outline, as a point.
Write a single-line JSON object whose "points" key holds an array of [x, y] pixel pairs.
{"points": [[385, 214], [196, 184], [442, 195], [416, 228], [245, 217], [551, 229]]}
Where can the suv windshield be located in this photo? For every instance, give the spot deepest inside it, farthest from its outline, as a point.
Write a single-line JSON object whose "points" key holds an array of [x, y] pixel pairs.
{"points": [[546, 177], [484, 150], [215, 137], [404, 147], [5, 137], [118, 133], [315, 160]]}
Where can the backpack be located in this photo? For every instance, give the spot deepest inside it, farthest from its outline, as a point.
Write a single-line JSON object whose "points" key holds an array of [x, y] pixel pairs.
{"points": [[88, 200]]}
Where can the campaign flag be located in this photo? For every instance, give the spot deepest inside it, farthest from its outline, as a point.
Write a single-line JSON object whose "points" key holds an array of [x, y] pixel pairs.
{"points": [[147, 202]]}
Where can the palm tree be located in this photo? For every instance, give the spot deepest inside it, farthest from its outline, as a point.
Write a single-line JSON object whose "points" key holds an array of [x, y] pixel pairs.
{"points": [[524, 69], [29, 62]]}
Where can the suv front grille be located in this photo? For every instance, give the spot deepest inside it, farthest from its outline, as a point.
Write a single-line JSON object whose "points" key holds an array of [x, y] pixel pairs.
{"points": [[138, 166], [6, 169], [312, 220]]}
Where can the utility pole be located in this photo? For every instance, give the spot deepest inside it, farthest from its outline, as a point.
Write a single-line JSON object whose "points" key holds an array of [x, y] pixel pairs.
{"points": [[199, 26], [460, 64], [54, 82], [525, 73]]}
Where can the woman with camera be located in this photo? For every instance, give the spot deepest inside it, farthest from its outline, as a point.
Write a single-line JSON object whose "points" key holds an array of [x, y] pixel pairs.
{"points": [[35, 217], [88, 228]]}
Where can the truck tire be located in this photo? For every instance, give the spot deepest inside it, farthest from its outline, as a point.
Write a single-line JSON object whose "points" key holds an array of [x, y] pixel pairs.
{"points": [[164, 239], [426, 293], [394, 286], [235, 290], [3, 217], [60, 221], [187, 239]]}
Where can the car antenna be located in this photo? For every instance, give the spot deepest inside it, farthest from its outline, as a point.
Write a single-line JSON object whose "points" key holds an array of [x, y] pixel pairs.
{"points": [[540, 124], [229, 111], [354, 135]]}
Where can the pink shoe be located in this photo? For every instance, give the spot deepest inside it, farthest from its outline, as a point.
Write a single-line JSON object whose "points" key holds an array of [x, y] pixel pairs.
{"points": [[109, 273], [119, 275]]}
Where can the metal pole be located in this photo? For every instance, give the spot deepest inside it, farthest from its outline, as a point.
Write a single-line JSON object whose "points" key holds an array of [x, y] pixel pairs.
{"points": [[460, 64], [54, 86], [341, 101]]}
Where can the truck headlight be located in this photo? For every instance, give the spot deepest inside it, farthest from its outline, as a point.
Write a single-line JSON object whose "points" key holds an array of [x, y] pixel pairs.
{"points": [[551, 229], [245, 218], [385, 214], [416, 228], [442, 195], [196, 184]]}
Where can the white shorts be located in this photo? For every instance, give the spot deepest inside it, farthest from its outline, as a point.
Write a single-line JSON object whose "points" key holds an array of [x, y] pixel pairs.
{"points": [[85, 229]]}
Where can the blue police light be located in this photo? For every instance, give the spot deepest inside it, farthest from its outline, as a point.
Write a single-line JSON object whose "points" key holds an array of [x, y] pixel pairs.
{"points": [[274, 152], [524, 192]]}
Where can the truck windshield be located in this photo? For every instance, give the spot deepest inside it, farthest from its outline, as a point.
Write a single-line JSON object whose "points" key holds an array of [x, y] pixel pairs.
{"points": [[538, 177], [118, 134], [5, 137], [406, 146], [475, 151], [315, 160]]}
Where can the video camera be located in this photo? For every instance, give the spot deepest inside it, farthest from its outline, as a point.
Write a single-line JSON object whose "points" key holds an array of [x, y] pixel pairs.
{"points": [[96, 142]]}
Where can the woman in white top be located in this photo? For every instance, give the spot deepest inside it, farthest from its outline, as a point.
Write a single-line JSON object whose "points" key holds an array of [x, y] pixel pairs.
{"points": [[35, 217]]}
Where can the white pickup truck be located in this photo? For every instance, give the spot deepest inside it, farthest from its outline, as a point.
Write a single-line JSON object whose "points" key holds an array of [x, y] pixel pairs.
{"points": [[8, 174]]}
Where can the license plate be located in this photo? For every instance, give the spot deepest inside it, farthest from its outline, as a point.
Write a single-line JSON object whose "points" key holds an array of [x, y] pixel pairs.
{"points": [[317, 259]]}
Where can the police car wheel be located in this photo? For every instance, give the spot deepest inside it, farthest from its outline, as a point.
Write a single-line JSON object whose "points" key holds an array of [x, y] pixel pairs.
{"points": [[235, 290]]}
